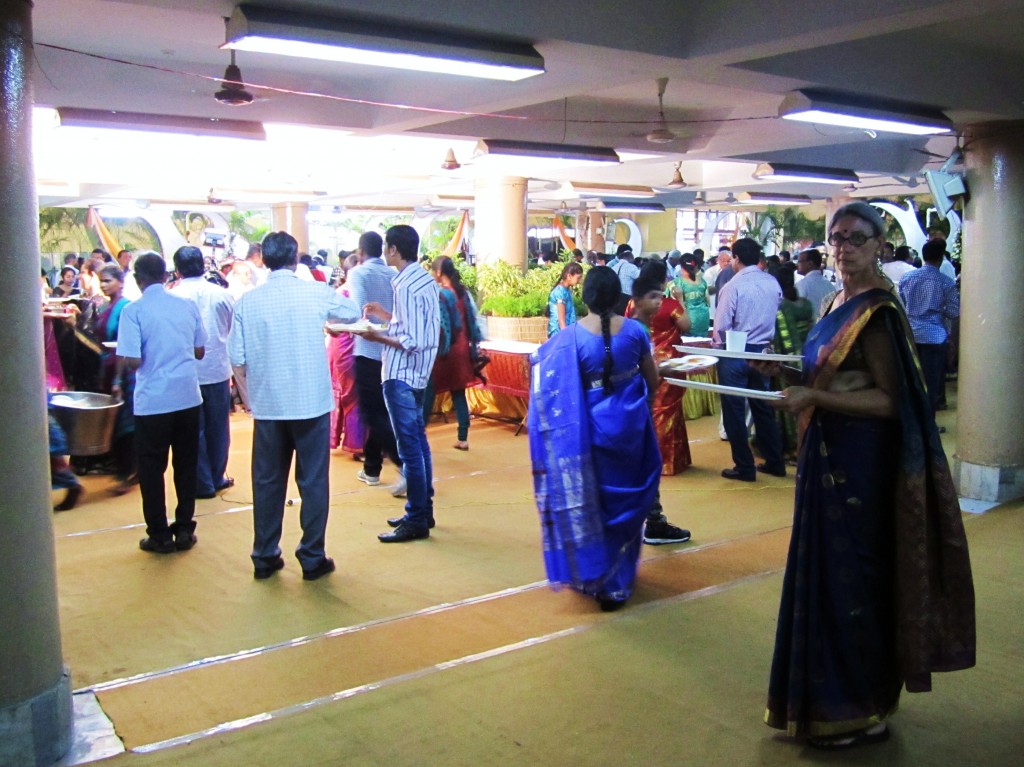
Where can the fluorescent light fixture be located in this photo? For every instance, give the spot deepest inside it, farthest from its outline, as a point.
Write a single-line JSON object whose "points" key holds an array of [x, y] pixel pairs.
{"points": [[866, 114], [579, 155], [356, 40], [611, 190], [150, 123], [630, 206], [780, 171], [767, 198]]}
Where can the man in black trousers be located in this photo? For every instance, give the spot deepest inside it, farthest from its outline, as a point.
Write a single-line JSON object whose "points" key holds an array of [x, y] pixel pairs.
{"points": [[160, 337]]}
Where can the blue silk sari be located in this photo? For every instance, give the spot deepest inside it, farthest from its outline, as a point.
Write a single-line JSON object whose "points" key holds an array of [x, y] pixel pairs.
{"points": [[596, 468], [877, 591]]}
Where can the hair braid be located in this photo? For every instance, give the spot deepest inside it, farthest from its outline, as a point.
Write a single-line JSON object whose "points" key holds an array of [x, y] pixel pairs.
{"points": [[606, 334]]}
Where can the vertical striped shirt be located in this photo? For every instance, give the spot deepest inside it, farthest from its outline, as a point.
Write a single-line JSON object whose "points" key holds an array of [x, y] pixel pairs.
{"points": [[371, 281], [416, 324]]}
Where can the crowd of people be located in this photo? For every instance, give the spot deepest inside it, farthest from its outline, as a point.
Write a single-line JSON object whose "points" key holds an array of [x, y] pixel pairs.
{"points": [[877, 592]]}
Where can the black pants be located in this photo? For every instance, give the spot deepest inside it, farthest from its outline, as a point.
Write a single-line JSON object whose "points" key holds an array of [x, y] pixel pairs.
{"points": [[379, 440], [155, 435], [933, 366]]}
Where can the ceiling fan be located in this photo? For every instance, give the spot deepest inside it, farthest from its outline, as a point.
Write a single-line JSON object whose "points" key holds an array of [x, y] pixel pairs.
{"points": [[661, 134]]}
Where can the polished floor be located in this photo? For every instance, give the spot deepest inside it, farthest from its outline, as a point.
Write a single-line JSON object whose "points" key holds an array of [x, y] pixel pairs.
{"points": [[453, 651]]}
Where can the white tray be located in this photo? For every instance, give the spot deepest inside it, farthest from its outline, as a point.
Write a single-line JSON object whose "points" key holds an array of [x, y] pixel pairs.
{"points": [[760, 356], [688, 364], [733, 391], [360, 326]]}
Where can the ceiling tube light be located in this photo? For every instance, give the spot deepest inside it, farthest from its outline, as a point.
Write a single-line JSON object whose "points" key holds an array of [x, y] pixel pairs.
{"points": [[611, 190], [780, 171], [355, 40], [150, 123], [850, 111], [581, 155], [767, 198], [630, 206]]}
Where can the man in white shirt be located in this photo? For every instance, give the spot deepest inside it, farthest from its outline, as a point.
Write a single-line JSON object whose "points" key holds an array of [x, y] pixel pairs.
{"points": [[814, 287], [410, 348], [900, 264], [215, 308], [161, 336], [627, 272], [278, 336], [129, 287]]}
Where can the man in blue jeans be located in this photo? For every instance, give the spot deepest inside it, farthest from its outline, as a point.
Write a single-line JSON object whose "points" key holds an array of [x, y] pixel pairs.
{"points": [[748, 302], [410, 348]]}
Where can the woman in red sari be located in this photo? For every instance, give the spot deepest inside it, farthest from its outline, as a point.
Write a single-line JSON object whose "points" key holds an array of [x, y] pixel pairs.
{"points": [[666, 320], [346, 427]]}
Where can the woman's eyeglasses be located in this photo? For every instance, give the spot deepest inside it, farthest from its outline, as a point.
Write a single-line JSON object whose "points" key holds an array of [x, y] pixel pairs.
{"points": [[856, 239]]}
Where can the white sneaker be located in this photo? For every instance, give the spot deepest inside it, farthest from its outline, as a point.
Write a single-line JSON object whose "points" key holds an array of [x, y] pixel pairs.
{"points": [[399, 489], [362, 476]]}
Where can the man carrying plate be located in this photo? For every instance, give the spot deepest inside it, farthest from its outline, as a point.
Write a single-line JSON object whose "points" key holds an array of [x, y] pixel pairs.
{"points": [[748, 303]]}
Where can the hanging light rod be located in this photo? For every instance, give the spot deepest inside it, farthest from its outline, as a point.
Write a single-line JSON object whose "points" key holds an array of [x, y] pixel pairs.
{"points": [[829, 108], [356, 40], [581, 155], [767, 198], [151, 123], [610, 190], [781, 171]]}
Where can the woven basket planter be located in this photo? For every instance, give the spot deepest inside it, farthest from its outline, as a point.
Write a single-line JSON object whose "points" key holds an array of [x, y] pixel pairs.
{"points": [[530, 329]]}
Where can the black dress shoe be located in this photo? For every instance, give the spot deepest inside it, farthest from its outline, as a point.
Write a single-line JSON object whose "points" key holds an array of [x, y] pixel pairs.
{"points": [[74, 493], [228, 482], [322, 569], [775, 471], [396, 521], [263, 572], [404, 532], [205, 496], [737, 474], [184, 541], [154, 546]]}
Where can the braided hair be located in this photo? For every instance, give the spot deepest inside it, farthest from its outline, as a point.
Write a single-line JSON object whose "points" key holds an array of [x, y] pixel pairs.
{"points": [[446, 268], [601, 290]]}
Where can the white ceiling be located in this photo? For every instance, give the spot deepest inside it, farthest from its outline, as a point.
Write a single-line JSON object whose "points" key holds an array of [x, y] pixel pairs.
{"points": [[729, 65]]}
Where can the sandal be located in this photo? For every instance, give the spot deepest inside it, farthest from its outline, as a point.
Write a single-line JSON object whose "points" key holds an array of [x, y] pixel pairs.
{"points": [[878, 733], [461, 445]]}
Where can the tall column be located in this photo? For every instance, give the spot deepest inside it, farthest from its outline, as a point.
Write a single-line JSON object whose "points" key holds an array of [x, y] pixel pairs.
{"points": [[989, 459], [597, 241], [35, 694], [500, 230], [291, 217]]}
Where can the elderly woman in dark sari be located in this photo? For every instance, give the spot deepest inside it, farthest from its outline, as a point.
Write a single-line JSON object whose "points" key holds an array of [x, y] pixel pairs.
{"points": [[877, 593], [596, 462]]}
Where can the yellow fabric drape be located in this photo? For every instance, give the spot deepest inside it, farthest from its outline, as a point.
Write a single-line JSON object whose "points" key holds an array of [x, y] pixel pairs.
{"points": [[107, 240], [460, 231]]}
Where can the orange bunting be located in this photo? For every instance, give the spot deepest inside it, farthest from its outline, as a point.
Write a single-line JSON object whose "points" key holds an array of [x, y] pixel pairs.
{"points": [[460, 232], [563, 235], [107, 241]]}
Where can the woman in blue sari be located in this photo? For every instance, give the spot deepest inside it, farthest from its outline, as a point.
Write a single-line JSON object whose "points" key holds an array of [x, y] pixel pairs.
{"points": [[116, 379], [877, 593], [596, 462]]}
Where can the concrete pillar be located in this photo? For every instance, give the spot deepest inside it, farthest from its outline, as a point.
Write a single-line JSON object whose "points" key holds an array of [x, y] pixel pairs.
{"points": [[597, 242], [989, 459], [35, 695], [500, 230], [291, 217]]}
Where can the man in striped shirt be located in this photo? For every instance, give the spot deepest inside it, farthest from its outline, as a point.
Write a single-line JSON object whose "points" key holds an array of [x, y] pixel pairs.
{"points": [[410, 348]]}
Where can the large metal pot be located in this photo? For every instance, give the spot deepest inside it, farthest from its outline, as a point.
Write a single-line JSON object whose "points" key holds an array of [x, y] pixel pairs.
{"points": [[88, 418]]}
